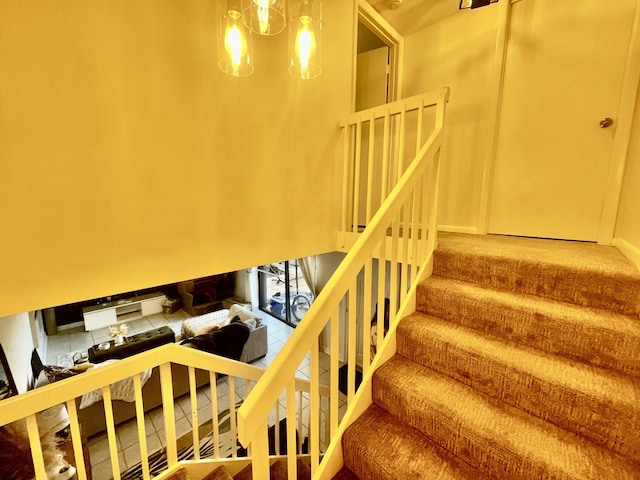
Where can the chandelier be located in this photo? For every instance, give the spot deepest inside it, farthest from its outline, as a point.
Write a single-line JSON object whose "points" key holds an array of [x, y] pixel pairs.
{"points": [[239, 20]]}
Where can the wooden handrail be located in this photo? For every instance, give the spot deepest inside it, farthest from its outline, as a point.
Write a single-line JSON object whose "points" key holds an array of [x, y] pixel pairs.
{"points": [[27, 405], [33, 401]]}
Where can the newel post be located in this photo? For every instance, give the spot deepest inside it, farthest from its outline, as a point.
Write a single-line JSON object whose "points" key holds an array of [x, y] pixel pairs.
{"points": [[260, 453]]}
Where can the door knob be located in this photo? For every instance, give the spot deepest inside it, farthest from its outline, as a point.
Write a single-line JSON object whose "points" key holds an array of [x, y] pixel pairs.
{"points": [[606, 122]]}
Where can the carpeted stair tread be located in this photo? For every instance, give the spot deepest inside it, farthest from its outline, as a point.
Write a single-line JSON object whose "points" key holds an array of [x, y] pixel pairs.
{"points": [[576, 272], [601, 405], [378, 446], [344, 474], [179, 474], [278, 471], [220, 473], [493, 437], [245, 474], [599, 337]]}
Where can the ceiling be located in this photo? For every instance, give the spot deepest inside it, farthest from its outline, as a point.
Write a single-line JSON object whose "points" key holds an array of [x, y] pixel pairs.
{"points": [[414, 15]]}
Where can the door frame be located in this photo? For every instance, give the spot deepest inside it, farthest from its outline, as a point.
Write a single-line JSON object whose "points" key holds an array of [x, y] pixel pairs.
{"points": [[369, 17], [264, 274], [628, 98], [624, 121]]}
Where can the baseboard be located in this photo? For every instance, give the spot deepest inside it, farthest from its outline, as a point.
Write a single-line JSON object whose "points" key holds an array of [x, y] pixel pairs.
{"points": [[70, 326], [458, 229], [628, 250]]}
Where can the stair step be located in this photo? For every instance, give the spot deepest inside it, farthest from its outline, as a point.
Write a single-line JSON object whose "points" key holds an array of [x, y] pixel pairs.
{"points": [[179, 474], [220, 473], [378, 445], [488, 434], [278, 471], [344, 474], [601, 338], [601, 405], [575, 272]]}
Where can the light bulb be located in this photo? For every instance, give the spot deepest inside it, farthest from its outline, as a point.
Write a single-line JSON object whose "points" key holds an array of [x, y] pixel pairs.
{"points": [[265, 17], [305, 46], [305, 40], [235, 42], [263, 14]]}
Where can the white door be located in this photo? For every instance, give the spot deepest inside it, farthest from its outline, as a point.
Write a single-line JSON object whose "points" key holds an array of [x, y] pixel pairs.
{"points": [[371, 78], [564, 70]]}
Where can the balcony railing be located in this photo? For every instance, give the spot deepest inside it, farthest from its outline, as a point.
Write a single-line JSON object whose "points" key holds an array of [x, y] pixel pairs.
{"points": [[389, 230], [23, 413], [386, 261]]}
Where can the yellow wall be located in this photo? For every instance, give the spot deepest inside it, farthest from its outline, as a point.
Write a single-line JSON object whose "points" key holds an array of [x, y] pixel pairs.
{"points": [[457, 52], [628, 224], [128, 159]]}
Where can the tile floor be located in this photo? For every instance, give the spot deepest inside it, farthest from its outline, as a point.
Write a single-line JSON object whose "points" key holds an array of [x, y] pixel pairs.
{"points": [[62, 347]]}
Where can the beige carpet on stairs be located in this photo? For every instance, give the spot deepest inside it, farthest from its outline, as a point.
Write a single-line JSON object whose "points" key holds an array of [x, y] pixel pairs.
{"points": [[278, 471], [522, 362]]}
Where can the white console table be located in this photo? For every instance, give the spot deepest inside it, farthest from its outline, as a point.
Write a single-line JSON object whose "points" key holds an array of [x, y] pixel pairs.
{"points": [[119, 311]]}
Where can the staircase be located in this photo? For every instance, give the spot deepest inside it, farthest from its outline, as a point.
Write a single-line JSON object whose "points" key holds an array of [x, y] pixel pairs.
{"points": [[521, 362], [278, 471]]}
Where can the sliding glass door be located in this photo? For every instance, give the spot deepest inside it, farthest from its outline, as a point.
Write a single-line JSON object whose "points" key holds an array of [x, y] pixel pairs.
{"points": [[283, 291]]}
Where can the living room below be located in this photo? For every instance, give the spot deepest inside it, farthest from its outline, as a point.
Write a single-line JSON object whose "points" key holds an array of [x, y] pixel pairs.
{"points": [[91, 329], [65, 346], [194, 296], [71, 342]]}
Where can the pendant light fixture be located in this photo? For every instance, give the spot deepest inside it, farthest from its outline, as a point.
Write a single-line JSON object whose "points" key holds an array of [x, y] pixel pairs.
{"points": [[239, 19], [305, 39], [235, 43], [265, 17], [475, 3]]}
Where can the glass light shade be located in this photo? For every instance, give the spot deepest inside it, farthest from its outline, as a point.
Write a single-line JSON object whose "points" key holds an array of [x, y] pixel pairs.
{"points": [[235, 43], [305, 39], [265, 17]]}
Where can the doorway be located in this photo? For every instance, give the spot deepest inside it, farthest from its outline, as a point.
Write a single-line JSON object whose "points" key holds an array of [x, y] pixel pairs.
{"points": [[564, 72], [379, 52], [372, 69], [283, 291], [376, 83]]}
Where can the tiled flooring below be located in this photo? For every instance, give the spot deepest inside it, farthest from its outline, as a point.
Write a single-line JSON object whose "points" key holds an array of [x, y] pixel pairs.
{"points": [[63, 346]]}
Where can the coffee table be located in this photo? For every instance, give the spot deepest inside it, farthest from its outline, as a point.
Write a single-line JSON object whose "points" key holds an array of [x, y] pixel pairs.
{"points": [[133, 344]]}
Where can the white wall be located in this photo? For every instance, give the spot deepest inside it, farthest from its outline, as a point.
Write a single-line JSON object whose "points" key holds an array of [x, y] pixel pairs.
{"points": [[627, 233], [130, 160], [326, 265], [458, 52], [17, 343]]}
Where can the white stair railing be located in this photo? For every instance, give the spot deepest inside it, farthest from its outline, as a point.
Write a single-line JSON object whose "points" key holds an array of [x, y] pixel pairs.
{"points": [[387, 258], [384, 261], [379, 144], [24, 410]]}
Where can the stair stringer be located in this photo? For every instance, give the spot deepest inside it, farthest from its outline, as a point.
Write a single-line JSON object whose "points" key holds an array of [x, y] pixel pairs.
{"points": [[333, 458]]}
